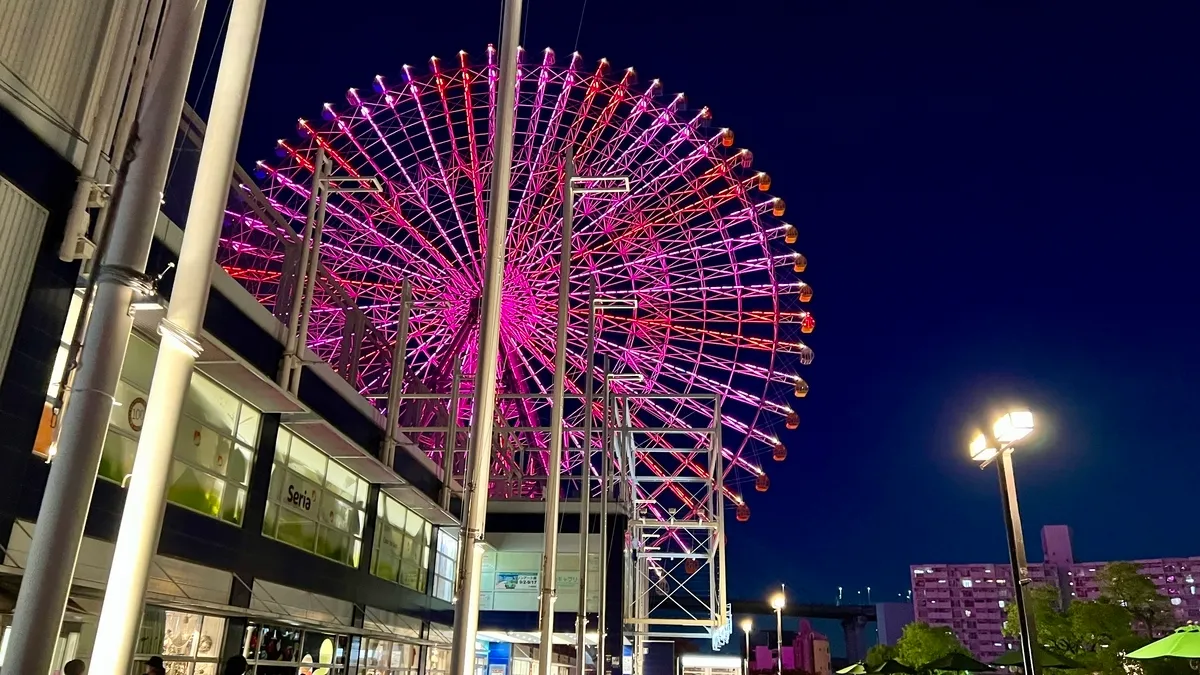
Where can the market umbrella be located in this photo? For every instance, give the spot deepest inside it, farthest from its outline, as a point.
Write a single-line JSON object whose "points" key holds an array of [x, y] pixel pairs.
{"points": [[892, 667], [1045, 659], [1184, 643], [957, 661], [853, 669]]}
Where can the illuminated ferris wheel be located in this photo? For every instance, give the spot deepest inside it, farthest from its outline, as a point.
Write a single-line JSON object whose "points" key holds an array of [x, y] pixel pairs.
{"points": [[697, 243]]}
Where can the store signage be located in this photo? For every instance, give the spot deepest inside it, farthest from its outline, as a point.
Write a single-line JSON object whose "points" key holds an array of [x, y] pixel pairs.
{"points": [[137, 414], [301, 495], [516, 581]]}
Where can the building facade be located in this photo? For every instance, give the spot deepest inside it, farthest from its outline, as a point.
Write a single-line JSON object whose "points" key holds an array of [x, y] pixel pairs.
{"points": [[807, 652], [972, 599]]}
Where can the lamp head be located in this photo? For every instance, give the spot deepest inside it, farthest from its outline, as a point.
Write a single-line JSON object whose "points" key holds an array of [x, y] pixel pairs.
{"points": [[1013, 426], [747, 624], [778, 601], [981, 450]]}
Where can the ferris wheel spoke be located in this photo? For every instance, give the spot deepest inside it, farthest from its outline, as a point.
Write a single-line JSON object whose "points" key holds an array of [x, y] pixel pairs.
{"points": [[413, 194]]}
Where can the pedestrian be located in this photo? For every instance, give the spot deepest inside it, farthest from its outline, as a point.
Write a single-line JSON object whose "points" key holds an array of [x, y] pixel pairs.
{"points": [[74, 667], [236, 665], [155, 666]]}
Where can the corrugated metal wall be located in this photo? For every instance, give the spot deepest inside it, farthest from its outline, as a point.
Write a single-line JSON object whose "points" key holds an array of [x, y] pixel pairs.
{"points": [[22, 222], [54, 48]]}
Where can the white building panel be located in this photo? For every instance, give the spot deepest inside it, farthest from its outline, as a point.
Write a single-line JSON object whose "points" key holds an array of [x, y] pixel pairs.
{"points": [[22, 222]]}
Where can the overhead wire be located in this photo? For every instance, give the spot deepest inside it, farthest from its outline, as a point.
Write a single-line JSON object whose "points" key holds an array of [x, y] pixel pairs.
{"points": [[579, 31]]}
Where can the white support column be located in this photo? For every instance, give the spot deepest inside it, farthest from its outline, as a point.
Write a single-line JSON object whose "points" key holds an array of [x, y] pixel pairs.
{"points": [[299, 287], [602, 628], [141, 521], [553, 493], [68, 494], [585, 481], [466, 616], [396, 381], [314, 265], [451, 435]]}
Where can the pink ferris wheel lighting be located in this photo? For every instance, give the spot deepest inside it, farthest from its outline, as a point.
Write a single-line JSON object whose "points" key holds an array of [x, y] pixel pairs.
{"points": [[696, 241]]}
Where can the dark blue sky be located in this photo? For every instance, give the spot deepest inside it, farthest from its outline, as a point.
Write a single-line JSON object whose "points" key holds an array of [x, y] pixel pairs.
{"points": [[998, 200]]}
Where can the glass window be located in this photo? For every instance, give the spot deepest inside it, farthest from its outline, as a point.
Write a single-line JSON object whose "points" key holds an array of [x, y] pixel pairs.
{"points": [[214, 445], [401, 547], [189, 644], [437, 661], [280, 650], [445, 564], [314, 503], [388, 657]]}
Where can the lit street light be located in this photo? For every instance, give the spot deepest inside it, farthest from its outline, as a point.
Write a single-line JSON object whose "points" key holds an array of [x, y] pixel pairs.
{"points": [[998, 444], [777, 602], [747, 626]]}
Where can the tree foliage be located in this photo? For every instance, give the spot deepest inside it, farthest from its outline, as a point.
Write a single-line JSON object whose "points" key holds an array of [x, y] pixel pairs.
{"points": [[1122, 584], [1098, 632], [921, 643], [880, 653]]}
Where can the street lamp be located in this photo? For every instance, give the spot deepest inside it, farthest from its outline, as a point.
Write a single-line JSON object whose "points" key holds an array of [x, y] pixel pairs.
{"points": [[998, 443], [747, 626], [777, 603]]}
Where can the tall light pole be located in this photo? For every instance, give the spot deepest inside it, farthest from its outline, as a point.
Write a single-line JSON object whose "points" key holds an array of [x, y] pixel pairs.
{"points": [[747, 626], [998, 443], [778, 601], [475, 488]]}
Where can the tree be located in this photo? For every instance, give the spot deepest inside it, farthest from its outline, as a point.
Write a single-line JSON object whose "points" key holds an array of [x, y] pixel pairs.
{"points": [[880, 653], [1054, 627], [1121, 583], [921, 643]]}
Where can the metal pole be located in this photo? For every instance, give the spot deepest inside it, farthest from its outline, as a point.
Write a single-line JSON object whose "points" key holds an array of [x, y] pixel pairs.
{"points": [[1016, 553], [585, 480], [396, 385], [451, 435], [779, 637], [554, 480], [141, 521], [310, 289], [602, 631], [64, 507], [298, 288], [746, 663], [466, 615], [122, 19]]}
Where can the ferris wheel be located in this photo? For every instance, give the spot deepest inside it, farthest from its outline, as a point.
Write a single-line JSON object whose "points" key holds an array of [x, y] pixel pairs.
{"points": [[696, 247]]}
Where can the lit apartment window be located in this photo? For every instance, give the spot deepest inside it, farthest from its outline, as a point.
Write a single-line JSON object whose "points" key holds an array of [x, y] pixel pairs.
{"points": [[1001, 602], [966, 583], [1174, 601], [940, 581]]}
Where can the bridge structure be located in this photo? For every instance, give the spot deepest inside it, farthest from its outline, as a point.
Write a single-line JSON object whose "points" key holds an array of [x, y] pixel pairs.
{"points": [[854, 619]]}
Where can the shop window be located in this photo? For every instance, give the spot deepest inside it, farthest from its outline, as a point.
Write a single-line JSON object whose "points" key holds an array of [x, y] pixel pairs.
{"points": [[386, 657], [401, 549], [214, 445], [437, 661], [315, 503], [189, 644], [281, 650], [445, 565]]}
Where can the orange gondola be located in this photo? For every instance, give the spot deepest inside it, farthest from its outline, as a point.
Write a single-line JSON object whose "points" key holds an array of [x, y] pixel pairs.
{"points": [[799, 263], [743, 513], [801, 388], [780, 452], [793, 421], [762, 482]]}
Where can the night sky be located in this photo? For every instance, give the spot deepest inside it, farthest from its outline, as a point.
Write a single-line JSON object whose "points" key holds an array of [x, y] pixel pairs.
{"points": [[998, 203]]}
